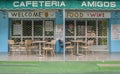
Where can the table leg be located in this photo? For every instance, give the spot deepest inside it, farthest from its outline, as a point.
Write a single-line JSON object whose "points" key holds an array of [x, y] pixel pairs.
{"points": [[40, 50], [78, 50]]}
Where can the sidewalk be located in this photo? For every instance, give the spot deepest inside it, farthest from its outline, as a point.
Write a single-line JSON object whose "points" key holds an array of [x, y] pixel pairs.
{"points": [[59, 57]]}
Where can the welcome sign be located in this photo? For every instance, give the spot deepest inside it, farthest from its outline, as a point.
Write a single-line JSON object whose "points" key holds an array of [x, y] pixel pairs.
{"points": [[31, 14], [38, 4]]}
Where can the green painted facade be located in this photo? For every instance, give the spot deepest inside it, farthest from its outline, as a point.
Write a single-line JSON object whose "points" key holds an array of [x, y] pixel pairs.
{"points": [[59, 4]]}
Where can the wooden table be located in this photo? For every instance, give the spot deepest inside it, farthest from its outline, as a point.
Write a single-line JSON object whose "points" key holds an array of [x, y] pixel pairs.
{"points": [[39, 42], [52, 43], [78, 41]]}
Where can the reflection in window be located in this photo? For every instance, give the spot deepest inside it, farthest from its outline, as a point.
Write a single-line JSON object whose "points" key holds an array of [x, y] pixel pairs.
{"points": [[91, 28], [69, 27], [27, 28], [38, 28], [80, 28], [102, 28], [102, 41]]}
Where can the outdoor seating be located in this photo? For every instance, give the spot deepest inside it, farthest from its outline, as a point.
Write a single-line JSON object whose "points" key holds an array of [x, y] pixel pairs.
{"points": [[87, 46], [49, 47], [77, 43], [69, 47], [39, 43], [13, 47], [27, 47]]}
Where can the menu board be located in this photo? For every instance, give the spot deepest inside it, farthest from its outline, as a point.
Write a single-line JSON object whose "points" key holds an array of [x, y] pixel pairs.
{"points": [[17, 29], [48, 25], [115, 32]]}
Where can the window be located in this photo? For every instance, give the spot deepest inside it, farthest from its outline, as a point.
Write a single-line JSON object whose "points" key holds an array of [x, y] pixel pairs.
{"points": [[27, 28], [38, 28]]}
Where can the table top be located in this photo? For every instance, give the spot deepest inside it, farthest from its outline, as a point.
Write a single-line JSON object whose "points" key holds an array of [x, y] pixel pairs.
{"points": [[77, 41], [38, 41], [67, 42], [50, 43]]}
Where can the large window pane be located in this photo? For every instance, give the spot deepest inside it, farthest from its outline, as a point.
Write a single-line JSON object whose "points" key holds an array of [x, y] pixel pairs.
{"points": [[27, 28], [102, 41], [38, 28], [69, 27], [91, 28], [102, 28], [80, 27], [49, 31], [16, 28]]}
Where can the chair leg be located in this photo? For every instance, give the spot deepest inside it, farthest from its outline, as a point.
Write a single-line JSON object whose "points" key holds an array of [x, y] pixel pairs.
{"points": [[71, 52], [43, 52], [9, 53], [82, 51], [86, 51], [74, 52], [26, 52], [46, 52], [29, 52], [14, 53], [93, 53], [51, 53], [18, 53]]}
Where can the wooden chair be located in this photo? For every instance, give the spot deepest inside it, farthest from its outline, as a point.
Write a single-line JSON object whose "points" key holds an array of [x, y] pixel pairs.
{"points": [[49, 47], [87, 46], [27, 47], [69, 47], [13, 48]]}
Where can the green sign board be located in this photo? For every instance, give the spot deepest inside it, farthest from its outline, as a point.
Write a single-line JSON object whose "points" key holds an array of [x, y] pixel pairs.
{"points": [[59, 4]]}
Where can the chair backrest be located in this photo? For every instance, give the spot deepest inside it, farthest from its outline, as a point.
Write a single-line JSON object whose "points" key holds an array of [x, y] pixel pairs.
{"points": [[90, 42], [11, 42], [53, 41], [28, 43], [68, 44]]}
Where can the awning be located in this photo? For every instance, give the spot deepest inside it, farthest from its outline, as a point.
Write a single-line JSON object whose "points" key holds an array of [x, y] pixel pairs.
{"points": [[58, 4]]}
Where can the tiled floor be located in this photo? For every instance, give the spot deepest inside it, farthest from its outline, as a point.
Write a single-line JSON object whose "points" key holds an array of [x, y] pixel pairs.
{"points": [[97, 56]]}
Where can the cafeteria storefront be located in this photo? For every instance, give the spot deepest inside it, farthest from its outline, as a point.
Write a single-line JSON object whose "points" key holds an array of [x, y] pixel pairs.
{"points": [[62, 21]]}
